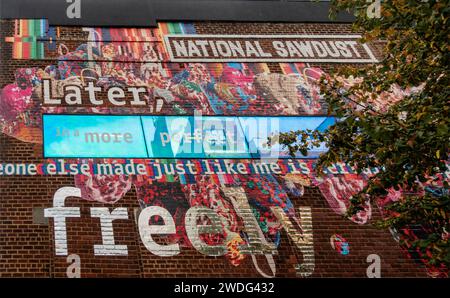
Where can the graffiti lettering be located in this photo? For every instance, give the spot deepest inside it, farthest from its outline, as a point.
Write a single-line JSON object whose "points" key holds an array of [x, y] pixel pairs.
{"points": [[109, 248], [59, 214], [200, 222], [305, 48], [146, 231], [72, 95], [193, 230], [303, 241]]}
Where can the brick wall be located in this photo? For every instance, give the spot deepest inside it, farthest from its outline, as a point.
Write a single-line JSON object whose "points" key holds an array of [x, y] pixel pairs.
{"points": [[27, 247]]}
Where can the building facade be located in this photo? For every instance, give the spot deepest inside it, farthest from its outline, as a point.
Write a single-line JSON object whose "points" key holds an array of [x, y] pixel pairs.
{"points": [[95, 197]]}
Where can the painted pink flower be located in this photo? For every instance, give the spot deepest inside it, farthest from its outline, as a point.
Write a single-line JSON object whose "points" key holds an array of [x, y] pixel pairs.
{"points": [[14, 101], [338, 190], [103, 188]]}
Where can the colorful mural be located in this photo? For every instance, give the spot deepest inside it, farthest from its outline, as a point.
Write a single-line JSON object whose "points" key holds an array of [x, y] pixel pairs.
{"points": [[136, 58], [340, 244], [212, 88]]}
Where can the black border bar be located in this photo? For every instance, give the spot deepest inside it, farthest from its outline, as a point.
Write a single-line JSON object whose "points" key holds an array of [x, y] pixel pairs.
{"points": [[146, 13]]}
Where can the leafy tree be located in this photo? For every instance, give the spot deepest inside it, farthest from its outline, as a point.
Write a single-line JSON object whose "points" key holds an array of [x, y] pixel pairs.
{"points": [[394, 116]]}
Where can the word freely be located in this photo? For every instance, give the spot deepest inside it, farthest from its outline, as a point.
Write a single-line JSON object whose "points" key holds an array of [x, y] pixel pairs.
{"points": [[256, 243]]}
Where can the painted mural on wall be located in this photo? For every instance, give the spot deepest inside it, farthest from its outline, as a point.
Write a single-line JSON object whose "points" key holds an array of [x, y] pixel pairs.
{"points": [[171, 88], [112, 58]]}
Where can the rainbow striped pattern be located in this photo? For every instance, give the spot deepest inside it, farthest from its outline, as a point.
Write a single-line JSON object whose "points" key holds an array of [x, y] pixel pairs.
{"points": [[29, 39]]}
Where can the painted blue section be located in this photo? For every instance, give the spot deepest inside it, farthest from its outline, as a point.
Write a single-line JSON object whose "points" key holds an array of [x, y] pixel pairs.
{"points": [[103, 136], [93, 136], [191, 137], [257, 130], [329, 121], [235, 65]]}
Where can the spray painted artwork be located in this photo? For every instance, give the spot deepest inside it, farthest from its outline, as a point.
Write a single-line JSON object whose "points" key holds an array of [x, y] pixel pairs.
{"points": [[124, 58]]}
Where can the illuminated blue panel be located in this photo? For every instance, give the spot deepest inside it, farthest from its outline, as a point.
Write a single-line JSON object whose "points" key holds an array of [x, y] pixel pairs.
{"points": [[95, 136], [257, 130], [102, 136], [194, 137]]}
